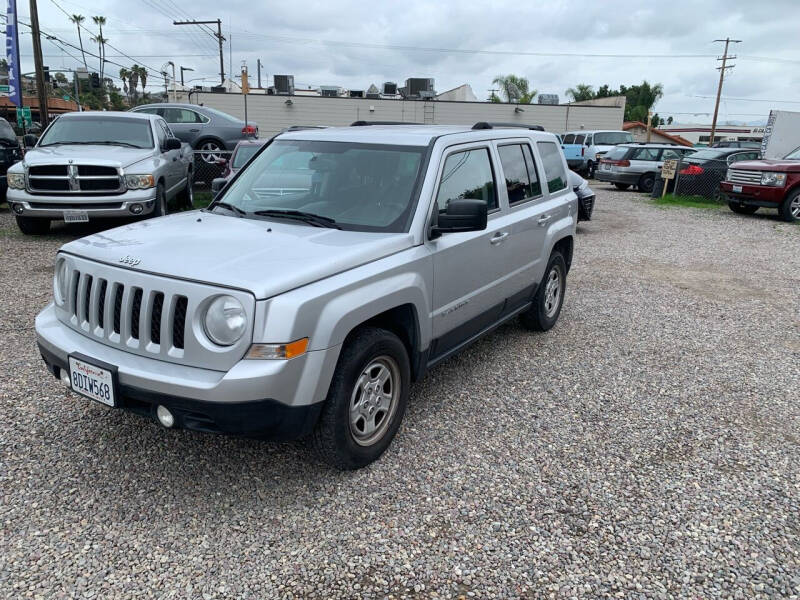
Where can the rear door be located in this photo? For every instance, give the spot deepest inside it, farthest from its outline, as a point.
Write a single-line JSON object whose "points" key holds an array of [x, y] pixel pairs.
{"points": [[186, 124], [470, 268]]}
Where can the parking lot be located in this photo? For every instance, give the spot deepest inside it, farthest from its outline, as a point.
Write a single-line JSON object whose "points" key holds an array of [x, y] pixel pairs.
{"points": [[647, 447]]}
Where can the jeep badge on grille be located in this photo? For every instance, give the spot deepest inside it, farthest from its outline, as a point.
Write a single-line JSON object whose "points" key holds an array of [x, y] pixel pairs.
{"points": [[130, 261]]}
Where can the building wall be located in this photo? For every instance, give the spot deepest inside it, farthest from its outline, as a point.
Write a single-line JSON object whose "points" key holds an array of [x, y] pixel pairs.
{"points": [[640, 135], [273, 114], [694, 132]]}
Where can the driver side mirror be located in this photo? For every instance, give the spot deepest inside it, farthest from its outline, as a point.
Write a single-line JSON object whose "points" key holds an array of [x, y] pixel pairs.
{"points": [[29, 140], [462, 214], [173, 144], [216, 186]]}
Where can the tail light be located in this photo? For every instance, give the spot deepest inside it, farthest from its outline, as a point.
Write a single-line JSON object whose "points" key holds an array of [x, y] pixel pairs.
{"points": [[692, 170], [249, 130], [616, 163], [583, 151]]}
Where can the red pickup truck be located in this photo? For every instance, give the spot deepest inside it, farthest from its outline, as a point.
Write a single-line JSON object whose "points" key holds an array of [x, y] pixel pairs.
{"points": [[753, 184]]}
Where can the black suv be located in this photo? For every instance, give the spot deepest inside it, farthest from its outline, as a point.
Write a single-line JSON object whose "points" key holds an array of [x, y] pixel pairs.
{"points": [[10, 152]]}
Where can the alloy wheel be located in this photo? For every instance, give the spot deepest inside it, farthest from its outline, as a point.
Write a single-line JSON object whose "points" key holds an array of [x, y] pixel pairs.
{"points": [[552, 292], [374, 400], [210, 152]]}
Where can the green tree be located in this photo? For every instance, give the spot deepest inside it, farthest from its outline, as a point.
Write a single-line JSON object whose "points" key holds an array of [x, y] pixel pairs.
{"points": [[581, 92], [515, 88], [124, 74], [494, 98], [78, 20]]}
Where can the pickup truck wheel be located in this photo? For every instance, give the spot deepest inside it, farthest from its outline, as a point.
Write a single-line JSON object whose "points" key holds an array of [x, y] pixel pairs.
{"points": [[646, 183], [622, 186], [742, 209], [33, 225], [365, 402], [549, 297], [161, 207], [790, 207]]}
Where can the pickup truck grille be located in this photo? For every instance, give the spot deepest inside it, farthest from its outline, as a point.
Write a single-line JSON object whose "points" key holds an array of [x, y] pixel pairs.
{"points": [[743, 176], [146, 314], [75, 179]]}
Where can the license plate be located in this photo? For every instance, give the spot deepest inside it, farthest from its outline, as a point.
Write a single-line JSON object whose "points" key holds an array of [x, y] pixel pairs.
{"points": [[737, 189], [76, 216], [92, 381]]}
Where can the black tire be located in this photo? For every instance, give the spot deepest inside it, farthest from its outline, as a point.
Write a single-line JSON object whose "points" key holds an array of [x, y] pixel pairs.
{"points": [[742, 209], [161, 207], [209, 150], [335, 440], [622, 186], [543, 314], [789, 209], [186, 195], [33, 225], [646, 183], [590, 168]]}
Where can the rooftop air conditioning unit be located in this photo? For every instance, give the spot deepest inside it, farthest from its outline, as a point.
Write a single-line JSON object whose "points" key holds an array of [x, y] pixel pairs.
{"points": [[547, 98], [356, 93], [284, 84], [389, 88], [218, 89], [415, 85]]}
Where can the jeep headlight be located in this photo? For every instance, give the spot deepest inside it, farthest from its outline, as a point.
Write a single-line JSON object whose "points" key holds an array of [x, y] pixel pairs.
{"points": [[225, 320], [60, 280], [773, 179], [16, 180], [139, 182]]}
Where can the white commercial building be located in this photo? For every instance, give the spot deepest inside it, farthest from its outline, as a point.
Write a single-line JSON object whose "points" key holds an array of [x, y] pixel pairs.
{"points": [[700, 135]]}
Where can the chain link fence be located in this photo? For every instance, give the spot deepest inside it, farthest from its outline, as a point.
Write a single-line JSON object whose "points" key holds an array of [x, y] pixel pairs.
{"points": [[208, 166], [695, 178]]}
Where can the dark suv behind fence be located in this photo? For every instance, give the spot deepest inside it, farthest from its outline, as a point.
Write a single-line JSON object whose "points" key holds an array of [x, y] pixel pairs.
{"points": [[637, 164]]}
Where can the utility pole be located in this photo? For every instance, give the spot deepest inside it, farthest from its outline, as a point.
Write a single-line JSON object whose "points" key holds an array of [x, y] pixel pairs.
{"points": [[182, 70], [220, 39], [721, 70], [37, 61], [258, 61]]}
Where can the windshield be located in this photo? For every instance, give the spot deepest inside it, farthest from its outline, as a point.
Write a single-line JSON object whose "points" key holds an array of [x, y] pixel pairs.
{"points": [[120, 131], [617, 153], [709, 154], [363, 187], [243, 154], [6, 132], [612, 138], [793, 155]]}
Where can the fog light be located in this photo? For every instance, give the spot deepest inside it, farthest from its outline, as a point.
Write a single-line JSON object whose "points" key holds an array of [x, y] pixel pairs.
{"points": [[165, 417], [136, 209], [19, 209], [64, 375]]}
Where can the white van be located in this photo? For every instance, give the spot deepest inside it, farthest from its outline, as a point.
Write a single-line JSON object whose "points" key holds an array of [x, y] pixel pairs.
{"points": [[597, 143]]}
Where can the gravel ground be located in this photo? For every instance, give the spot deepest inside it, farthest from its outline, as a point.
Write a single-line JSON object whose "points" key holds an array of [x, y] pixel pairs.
{"points": [[647, 447]]}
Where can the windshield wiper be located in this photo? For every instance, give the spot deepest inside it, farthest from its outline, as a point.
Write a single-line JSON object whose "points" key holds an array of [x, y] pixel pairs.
{"points": [[96, 143], [230, 207], [299, 215]]}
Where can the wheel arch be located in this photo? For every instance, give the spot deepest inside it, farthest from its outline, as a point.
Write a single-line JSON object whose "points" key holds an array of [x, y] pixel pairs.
{"points": [[209, 138], [565, 246]]}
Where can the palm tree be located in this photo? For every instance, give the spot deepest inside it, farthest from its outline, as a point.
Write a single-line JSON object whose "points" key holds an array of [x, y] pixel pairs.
{"points": [[133, 79], [142, 77], [515, 88], [581, 92], [78, 20], [100, 21], [123, 75]]}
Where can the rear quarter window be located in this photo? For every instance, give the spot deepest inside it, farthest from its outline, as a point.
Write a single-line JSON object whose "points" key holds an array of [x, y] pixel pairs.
{"points": [[553, 165], [617, 153], [645, 154]]}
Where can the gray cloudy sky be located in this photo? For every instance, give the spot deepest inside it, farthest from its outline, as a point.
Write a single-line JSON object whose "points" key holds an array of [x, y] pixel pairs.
{"points": [[354, 43]]}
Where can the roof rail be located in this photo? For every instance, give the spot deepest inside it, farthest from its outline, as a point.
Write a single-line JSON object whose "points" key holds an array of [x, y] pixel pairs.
{"points": [[487, 125], [366, 123]]}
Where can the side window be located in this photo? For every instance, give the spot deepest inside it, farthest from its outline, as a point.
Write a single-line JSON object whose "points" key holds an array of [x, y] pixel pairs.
{"points": [[467, 175], [569, 138], [645, 154], [515, 171], [671, 153], [579, 139], [536, 185], [588, 140], [181, 115], [161, 133], [553, 164], [736, 157]]}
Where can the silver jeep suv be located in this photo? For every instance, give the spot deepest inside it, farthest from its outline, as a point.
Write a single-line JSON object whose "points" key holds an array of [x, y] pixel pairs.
{"points": [[330, 273]]}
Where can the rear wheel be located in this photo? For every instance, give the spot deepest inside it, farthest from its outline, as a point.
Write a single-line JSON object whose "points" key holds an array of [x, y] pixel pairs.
{"points": [[622, 186], [33, 225], [210, 151], [549, 297], [366, 400], [742, 209], [646, 183], [790, 207]]}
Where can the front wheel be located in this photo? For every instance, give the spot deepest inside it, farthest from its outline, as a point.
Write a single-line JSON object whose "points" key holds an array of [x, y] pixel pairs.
{"points": [[33, 225], [742, 209], [790, 207], [366, 400], [186, 195], [549, 298], [161, 207], [622, 186]]}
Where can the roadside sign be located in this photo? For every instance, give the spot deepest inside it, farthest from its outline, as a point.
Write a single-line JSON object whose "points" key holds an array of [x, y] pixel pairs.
{"points": [[67, 98], [24, 116], [669, 169]]}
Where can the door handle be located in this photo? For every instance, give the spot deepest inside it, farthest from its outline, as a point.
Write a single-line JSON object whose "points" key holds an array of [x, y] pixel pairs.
{"points": [[544, 219], [498, 237], [194, 130]]}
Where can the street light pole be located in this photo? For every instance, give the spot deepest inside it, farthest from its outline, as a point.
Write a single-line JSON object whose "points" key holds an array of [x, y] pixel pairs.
{"points": [[182, 70]]}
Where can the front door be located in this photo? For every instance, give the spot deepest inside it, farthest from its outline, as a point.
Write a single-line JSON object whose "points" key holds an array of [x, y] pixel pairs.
{"points": [[186, 124], [469, 269]]}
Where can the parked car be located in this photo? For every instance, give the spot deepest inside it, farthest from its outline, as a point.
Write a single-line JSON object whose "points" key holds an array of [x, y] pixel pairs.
{"points": [[242, 152], [308, 312], [701, 173], [208, 130], [89, 165], [637, 164], [597, 143], [586, 197], [753, 184], [737, 144], [575, 151], [10, 153]]}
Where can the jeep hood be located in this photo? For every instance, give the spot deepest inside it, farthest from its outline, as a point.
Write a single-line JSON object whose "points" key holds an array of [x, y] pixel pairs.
{"points": [[768, 165], [83, 154], [261, 256]]}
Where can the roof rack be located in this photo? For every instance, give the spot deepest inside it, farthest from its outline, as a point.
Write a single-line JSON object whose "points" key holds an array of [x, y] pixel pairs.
{"points": [[487, 125], [366, 123]]}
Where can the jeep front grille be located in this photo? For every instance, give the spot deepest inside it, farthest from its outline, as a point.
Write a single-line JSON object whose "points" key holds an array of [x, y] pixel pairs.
{"points": [[75, 179], [744, 176], [146, 314]]}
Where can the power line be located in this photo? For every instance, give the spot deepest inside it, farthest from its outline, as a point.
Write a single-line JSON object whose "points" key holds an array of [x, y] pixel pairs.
{"points": [[752, 99]]}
